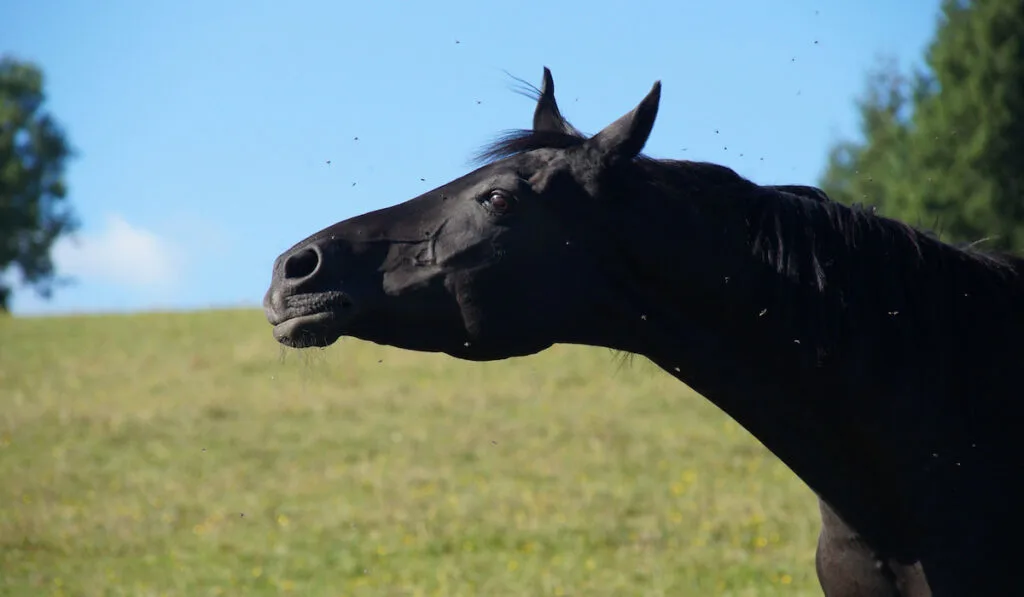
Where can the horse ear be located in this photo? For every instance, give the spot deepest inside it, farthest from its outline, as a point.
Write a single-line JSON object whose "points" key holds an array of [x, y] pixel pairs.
{"points": [[626, 137], [546, 116]]}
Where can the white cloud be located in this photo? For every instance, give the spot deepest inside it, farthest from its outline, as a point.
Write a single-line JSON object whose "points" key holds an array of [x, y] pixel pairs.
{"points": [[121, 254]]}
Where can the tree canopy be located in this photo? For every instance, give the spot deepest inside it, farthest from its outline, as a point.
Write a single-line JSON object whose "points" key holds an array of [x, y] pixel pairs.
{"points": [[943, 147], [34, 211]]}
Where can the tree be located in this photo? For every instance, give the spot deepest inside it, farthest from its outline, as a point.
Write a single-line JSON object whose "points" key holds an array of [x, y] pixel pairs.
{"points": [[945, 146], [33, 209]]}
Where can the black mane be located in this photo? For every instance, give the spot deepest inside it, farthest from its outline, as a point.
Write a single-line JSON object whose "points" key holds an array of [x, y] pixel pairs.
{"points": [[518, 141], [837, 258]]}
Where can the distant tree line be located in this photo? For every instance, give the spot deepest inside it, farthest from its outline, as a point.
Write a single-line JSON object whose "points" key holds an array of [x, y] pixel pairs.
{"points": [[943, 146]]}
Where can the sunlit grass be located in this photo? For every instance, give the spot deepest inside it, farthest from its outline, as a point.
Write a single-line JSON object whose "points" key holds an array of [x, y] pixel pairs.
{"points": [[187, 454]]}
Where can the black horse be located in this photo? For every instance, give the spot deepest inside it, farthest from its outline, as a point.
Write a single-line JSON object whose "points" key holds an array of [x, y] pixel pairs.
{"points": [[876, 361]]}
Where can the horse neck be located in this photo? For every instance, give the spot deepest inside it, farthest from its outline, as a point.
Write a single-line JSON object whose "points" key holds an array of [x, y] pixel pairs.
{"points": [[715, 325]]}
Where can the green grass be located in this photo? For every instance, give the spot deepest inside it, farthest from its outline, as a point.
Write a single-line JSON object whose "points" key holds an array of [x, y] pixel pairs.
{"points": [[189, 454]]}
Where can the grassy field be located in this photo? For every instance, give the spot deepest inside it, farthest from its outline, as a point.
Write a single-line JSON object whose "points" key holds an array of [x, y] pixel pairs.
{"points": [[188, 454]]}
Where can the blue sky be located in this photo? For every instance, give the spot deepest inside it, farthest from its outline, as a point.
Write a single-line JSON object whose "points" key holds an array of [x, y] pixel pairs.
{"points": [[204, 128]]}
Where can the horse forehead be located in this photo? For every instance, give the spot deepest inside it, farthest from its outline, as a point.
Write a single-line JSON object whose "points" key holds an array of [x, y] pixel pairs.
{"points": [[544, 164]]}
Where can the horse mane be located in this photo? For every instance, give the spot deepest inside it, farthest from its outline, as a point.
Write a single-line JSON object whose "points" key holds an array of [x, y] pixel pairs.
{"points": [[519, 141], [848, 219], [842, 263]]}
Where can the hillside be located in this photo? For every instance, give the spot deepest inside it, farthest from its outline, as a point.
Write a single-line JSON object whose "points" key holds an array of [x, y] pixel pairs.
{"points": [[189, 454]]}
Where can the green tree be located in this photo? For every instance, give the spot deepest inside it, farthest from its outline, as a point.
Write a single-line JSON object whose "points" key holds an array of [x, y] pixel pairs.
{"points": [[945, 146], [33, 210]]}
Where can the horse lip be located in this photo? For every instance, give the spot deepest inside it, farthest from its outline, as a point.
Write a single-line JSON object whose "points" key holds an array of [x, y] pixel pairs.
{"points": [[303, 321], [305, 318], [317, 329]]}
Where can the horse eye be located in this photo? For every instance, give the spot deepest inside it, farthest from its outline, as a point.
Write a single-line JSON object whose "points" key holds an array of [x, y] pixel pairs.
{"points": [[498, 201]]}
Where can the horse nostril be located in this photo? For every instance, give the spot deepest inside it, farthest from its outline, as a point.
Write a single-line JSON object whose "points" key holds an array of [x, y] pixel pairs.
{"points": [[301, 264]]}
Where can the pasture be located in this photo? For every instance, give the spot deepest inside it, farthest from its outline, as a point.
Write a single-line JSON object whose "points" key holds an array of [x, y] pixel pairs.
{"points": [[190, 454]]}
